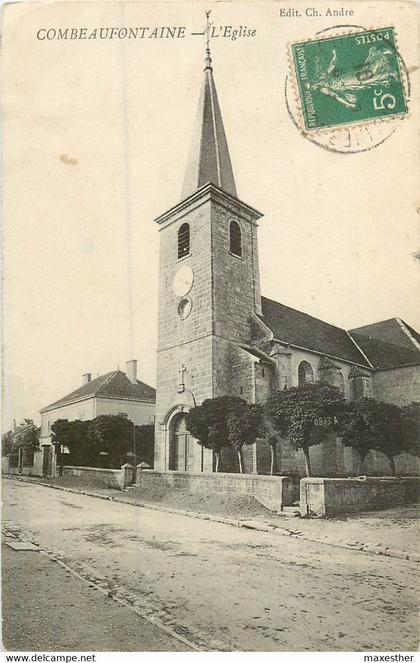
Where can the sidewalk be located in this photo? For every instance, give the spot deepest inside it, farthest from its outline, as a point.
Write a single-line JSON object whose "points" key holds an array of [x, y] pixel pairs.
{"points": [[69, 614], [393, 532]]}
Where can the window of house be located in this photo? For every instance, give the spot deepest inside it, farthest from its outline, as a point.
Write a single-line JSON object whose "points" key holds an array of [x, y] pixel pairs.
{"points": [[235, 238], [122, 414], [305, 373], [183, 240]]}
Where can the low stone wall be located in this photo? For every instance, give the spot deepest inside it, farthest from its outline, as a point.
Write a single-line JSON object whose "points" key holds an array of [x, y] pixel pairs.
{"points": [[331, 497], [108, 478], [273, 492]]}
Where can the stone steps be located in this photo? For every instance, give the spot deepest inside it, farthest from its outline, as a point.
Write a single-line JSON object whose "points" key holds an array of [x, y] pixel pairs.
{"points": [[290, 510]]}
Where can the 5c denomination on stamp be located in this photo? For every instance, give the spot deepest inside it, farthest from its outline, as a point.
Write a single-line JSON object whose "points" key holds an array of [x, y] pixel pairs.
{"points": [[345, 81], [348, 79]]}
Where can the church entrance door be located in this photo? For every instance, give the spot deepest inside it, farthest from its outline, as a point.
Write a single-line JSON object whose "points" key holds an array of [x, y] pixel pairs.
{"points": [[182, 447]]}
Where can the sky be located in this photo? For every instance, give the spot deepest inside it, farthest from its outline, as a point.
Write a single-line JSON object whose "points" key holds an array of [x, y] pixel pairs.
{"points": [[96, 141]]}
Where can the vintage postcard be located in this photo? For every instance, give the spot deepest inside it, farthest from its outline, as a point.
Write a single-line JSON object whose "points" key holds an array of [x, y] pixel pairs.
{"points": [[211, 363]]}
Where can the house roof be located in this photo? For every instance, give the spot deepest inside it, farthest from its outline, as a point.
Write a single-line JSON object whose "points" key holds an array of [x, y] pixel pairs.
{"points": [[302, 330], [389, 343], [111, 385]]}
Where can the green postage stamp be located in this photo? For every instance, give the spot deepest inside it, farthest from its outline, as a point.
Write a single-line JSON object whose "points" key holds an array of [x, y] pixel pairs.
{"points": [[349, 79]]}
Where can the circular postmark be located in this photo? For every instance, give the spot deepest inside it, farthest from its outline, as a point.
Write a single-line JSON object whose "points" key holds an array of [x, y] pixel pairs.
{"points": [[327, 93]]}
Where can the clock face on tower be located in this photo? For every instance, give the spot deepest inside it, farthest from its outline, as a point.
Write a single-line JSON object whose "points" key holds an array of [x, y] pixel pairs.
{"points": [[183, 280]]}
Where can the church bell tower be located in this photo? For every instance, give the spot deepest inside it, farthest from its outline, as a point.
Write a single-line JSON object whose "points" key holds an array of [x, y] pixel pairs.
{"points": [[209, 290]]}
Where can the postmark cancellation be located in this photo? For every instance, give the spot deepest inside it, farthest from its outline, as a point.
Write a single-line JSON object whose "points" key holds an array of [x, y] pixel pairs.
{"points": [[348, 79]]}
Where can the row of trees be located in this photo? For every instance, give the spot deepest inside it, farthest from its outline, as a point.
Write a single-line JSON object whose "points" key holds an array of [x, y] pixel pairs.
{"points": [[106, 441], [306, 415]]}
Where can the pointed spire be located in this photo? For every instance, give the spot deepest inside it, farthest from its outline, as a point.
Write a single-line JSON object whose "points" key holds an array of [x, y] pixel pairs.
{"points": [[209, 159]]}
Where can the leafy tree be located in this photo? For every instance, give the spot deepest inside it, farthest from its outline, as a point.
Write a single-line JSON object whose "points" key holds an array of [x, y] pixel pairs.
{"points": [[306, 415], [207, 423], [244, 425], [61, 433], [26, 436], [226, 421], [412, 428], [114, 435], [145, 444], [395, 428], [77, 438], [22, 443], [385, 427], [6, 443], [357, 426]]}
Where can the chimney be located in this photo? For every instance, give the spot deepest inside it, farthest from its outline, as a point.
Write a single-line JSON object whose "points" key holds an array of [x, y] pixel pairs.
{"points": [[86, 378], [131, 370]]}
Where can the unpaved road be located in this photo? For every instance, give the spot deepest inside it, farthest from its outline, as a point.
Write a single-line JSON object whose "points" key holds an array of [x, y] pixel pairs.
{"points": [[43, 606], [223, 587]]}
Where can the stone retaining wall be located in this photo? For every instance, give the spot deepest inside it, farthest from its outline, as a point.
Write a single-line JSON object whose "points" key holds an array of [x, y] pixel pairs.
{"points": [[273, 492], [331, 497], [109, 478]]}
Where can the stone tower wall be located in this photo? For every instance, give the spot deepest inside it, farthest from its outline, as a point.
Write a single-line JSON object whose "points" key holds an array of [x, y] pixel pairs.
{"points": [[224, 293]]}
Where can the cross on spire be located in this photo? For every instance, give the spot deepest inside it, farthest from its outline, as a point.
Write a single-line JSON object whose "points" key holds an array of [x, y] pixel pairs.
{"points": [[207, 60], [208, 26]]}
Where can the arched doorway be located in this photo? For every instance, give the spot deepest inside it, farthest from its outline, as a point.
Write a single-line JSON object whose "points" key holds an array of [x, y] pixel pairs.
{"points": [[182, 446]]}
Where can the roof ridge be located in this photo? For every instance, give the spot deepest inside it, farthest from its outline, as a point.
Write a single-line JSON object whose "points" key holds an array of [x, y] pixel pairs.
{"points": [[373, 324], [359, 348], [378, 340], [405, 327], [112, 375], [303, 313]]}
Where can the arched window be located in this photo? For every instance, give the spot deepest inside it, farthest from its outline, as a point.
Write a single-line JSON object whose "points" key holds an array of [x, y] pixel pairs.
{"points": [[183, 240], [235, 239], [305, 373]]}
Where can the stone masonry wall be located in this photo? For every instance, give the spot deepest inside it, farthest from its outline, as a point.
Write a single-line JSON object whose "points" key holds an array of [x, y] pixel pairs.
{"points": [[236, 288], [108, 478], [397, 385], [330, 497], [205, 343], [272, 492]]}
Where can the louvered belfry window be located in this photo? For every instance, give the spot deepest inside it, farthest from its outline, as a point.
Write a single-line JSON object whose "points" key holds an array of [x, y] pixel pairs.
{"points": [[183, 240], [235, 238]]}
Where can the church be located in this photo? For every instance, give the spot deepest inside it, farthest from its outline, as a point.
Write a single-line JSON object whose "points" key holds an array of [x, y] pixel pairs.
{"points": [[218, 335]]}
